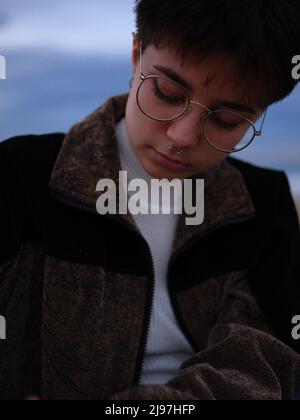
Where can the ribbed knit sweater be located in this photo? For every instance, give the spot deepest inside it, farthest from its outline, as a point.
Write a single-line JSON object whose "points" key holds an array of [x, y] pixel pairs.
{"points": [[167, 347]]}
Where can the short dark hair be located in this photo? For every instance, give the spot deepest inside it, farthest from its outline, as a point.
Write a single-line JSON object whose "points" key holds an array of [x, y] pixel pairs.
{"points": [[260, 37]]}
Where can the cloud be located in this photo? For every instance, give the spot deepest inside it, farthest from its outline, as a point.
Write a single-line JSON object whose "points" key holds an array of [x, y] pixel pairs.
{"points": [[49, 91], [72, 25], [4, 19]]}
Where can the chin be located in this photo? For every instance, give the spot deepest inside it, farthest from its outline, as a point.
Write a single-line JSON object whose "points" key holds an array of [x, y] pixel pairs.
{"points": [[155, 171], [163, 174]]}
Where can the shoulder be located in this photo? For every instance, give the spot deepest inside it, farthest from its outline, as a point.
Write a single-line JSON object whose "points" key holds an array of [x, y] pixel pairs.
{"points": [[25, 154], [27, 161], [26, 164], [254, 174], [21, 142], [269, 190]]}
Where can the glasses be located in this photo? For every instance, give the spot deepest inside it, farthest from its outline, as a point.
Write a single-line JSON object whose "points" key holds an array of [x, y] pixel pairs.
{"points": [[163, 100]]}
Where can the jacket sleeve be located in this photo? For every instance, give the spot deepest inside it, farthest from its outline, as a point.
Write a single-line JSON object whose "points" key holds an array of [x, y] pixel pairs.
{"points": [[248, 356], [15, 356], [10, 207]]}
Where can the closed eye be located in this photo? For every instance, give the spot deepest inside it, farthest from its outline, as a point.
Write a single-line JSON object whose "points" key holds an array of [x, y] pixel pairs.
{"points": [[226, 124], [166, 98]]}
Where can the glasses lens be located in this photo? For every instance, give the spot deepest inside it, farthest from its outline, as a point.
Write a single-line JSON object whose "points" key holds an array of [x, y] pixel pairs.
{"points": [[161, 99], [228, 131]]}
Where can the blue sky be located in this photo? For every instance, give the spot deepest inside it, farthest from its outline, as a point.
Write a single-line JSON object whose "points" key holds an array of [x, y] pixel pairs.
{"points": [[64, 58], [77, 26]]}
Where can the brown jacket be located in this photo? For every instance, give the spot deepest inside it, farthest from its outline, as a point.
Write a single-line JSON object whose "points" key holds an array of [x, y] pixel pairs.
{"points": [[76, 287]]}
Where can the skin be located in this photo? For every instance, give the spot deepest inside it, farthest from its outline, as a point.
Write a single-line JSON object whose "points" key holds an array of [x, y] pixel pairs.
{"points": [[186, 132]]}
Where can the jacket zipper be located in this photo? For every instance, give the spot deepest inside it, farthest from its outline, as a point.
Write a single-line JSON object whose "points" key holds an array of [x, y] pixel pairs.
{"points": [[151, 282], [146, 326]]}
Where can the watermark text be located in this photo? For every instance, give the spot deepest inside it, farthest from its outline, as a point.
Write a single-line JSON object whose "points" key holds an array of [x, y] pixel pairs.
{"points": [[2, 328], [2, 67], [296, 329], [162, 197], [296, 69]]}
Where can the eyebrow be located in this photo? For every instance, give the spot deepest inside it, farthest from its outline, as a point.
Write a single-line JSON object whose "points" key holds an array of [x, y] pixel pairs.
{"points": [[171, 74], [237, 107]]}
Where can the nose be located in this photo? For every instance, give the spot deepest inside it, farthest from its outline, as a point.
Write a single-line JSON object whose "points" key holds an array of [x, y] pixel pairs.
{"points": [[187, 131]]}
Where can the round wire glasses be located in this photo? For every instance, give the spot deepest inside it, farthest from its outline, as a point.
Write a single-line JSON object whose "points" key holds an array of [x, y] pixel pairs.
{"points": [[164, 100]]}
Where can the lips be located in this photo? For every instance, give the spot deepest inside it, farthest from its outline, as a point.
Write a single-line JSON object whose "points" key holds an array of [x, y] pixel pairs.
{"points": [[170, 164], [173, 160]]}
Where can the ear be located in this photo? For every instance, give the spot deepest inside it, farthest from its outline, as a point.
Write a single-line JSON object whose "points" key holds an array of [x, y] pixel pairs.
{"points": [[135, 53]]}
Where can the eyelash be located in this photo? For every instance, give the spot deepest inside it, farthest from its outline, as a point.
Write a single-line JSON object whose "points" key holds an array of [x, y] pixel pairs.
{"points": [[223, 124], [229, 126], [160, 95]]}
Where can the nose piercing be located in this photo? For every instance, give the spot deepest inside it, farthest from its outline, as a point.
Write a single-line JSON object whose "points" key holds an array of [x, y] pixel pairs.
{"points": [[174, 148]]}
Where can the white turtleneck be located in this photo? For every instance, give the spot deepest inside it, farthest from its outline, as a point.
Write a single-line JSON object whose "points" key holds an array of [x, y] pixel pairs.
{"points": [[167, 347]]}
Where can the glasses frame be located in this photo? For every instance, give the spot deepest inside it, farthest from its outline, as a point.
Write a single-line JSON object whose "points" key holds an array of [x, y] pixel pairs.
{"points": [[209, 112]]}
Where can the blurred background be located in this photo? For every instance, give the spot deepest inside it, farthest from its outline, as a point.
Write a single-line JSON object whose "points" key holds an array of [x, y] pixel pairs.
{"points": [[64, 58]]}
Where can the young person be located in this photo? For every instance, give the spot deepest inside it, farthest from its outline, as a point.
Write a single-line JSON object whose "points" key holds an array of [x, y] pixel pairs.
{"points": [[145, 306]]}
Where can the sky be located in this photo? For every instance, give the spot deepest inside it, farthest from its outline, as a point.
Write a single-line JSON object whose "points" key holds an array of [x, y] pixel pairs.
{"points": [[77, 26], [66, 57]]}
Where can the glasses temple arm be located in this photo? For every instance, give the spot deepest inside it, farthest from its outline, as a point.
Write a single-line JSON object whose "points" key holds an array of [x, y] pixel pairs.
{"points": [[259, 132], [141, 53]]}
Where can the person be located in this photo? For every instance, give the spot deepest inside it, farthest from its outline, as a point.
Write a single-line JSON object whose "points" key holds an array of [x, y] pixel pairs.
{"points": [[144, 306]]}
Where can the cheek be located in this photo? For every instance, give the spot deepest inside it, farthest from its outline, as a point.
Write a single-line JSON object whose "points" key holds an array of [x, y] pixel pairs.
{"points": [[141, 128]]}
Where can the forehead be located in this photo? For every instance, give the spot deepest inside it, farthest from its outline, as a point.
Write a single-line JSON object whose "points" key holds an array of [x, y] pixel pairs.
{"points": [[214, 78]]}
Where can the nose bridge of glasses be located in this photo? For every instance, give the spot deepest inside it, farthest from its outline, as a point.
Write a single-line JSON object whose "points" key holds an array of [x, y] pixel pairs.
{"points": [[205, 109]]}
